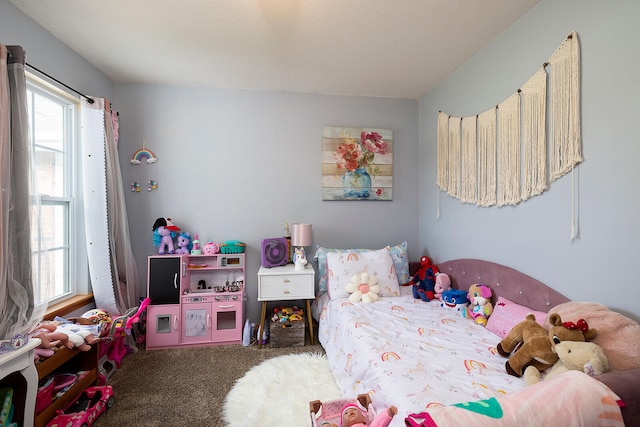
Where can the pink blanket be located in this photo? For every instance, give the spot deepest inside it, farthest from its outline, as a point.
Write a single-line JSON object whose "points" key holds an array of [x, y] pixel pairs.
{"points": [[572, 399]]}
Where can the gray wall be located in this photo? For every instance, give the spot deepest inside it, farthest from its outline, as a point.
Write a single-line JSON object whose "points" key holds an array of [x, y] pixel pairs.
{"points": [[534, 236], [236, 165]]}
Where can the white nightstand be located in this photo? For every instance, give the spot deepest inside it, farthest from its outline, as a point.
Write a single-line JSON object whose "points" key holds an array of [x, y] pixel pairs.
{"points": [[286, 284]]}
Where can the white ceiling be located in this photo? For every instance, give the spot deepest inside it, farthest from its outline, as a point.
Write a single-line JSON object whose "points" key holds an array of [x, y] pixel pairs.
{"points": [[387, 48]]}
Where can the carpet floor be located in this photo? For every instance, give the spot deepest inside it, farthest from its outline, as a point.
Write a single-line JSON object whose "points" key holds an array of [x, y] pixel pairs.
{"points": [[277, 392], [183, 387]]}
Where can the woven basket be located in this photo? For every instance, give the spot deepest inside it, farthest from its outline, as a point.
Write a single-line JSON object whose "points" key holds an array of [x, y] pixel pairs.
{"points": [[232, 247]]}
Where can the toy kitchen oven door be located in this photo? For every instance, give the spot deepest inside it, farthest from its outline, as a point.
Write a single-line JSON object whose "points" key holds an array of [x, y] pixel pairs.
{"points": [[212, 308]]}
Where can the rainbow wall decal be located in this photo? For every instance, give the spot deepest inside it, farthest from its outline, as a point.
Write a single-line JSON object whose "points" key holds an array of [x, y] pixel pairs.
{"points": [[143, 153]]}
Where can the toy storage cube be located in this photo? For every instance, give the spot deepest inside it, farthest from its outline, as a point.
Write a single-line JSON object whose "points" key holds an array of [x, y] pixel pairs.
{"points": [[328, 413], [286, 334]]}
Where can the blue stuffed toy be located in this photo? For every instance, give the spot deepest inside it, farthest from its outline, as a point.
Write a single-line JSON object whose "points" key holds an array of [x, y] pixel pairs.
{"points": [[455, 299], [424, 282]]}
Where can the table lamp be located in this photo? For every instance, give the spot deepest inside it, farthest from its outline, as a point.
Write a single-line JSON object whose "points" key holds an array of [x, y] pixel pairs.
{"points": [[301, 236]]}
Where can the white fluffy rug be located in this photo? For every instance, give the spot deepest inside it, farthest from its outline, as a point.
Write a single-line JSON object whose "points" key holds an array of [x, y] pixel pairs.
{"points": [[277, 392]]}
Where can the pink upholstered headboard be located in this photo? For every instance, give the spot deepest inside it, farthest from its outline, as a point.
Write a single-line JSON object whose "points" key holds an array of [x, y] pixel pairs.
{"points": [[503, 281]]}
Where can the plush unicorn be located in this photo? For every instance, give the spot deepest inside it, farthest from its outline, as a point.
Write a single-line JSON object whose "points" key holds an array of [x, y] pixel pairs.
{"points": [[299, 259], [184, 243], [163, 234]]}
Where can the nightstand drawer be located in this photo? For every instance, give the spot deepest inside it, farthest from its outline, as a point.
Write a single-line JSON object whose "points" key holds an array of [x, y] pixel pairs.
{"points": [[286, 287]]}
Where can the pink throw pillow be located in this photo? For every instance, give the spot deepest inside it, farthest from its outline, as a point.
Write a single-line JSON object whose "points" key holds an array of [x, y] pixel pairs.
{"points": [[506, 314]]}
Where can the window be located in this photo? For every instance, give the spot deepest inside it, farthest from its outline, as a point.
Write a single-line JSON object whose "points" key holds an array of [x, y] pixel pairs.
{"points": [[53, 132]]}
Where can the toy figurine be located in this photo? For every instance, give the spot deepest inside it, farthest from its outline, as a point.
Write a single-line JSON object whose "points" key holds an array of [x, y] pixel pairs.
{"points": [[195, 249], [211, 248], [299, 259]]}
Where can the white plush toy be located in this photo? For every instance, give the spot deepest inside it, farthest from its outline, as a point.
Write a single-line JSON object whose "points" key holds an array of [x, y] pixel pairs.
{"points": [[363, 286], [586, 356]]}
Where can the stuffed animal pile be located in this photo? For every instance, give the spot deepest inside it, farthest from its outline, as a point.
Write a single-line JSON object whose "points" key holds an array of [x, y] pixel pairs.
{"points": [[529, 344]]}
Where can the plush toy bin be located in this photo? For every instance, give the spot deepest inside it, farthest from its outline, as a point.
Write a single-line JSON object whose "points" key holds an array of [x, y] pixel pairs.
{"points": [[328, 413], [289, 333], [232, 247]]}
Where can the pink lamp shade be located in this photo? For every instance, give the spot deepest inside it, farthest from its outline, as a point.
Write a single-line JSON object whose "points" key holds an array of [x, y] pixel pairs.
{"points": [[301, 235]]}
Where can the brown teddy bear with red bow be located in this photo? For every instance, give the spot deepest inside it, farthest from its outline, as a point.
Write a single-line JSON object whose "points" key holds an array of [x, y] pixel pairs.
{"points": [[530, 344]]}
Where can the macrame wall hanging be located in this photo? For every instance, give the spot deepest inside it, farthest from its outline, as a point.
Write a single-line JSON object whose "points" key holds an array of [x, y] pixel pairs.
{"points": [[503, 156]]}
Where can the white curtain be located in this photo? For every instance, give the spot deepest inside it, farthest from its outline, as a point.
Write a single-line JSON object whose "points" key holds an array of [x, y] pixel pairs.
{"points": [[16, 286], [112, 267]]}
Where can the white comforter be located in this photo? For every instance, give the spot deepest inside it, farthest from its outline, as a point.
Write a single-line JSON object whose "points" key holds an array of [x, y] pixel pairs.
{"points": [[411, 354]]}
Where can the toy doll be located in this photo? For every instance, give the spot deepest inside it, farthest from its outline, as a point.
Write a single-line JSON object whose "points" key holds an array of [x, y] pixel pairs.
{"points": [[353, 416]]}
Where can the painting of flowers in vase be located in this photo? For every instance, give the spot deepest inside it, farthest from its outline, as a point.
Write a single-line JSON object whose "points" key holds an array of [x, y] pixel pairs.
{"points": [[357, 163]]}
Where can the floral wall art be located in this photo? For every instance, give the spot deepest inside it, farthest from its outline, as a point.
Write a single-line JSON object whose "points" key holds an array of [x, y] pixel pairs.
{"points": [[357, 164]]}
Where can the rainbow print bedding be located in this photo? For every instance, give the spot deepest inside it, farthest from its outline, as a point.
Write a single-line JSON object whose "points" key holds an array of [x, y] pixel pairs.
{"points": [[411, 354]]}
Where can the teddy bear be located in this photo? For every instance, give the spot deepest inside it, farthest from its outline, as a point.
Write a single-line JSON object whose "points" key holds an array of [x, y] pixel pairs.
{"points": [[363, 286], [424, 281], [528, 343], [480, 307], [584, 356]]}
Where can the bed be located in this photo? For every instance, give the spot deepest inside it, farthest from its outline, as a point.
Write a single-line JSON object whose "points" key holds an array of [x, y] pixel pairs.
{"points": [[421, 356]]}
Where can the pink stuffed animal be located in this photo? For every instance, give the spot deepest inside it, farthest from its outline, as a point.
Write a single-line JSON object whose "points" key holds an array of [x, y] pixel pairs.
{"points": [[443, 283]]}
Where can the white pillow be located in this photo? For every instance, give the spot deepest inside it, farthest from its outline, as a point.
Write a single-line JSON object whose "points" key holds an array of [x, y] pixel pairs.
{"points": [[341, 266]]}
